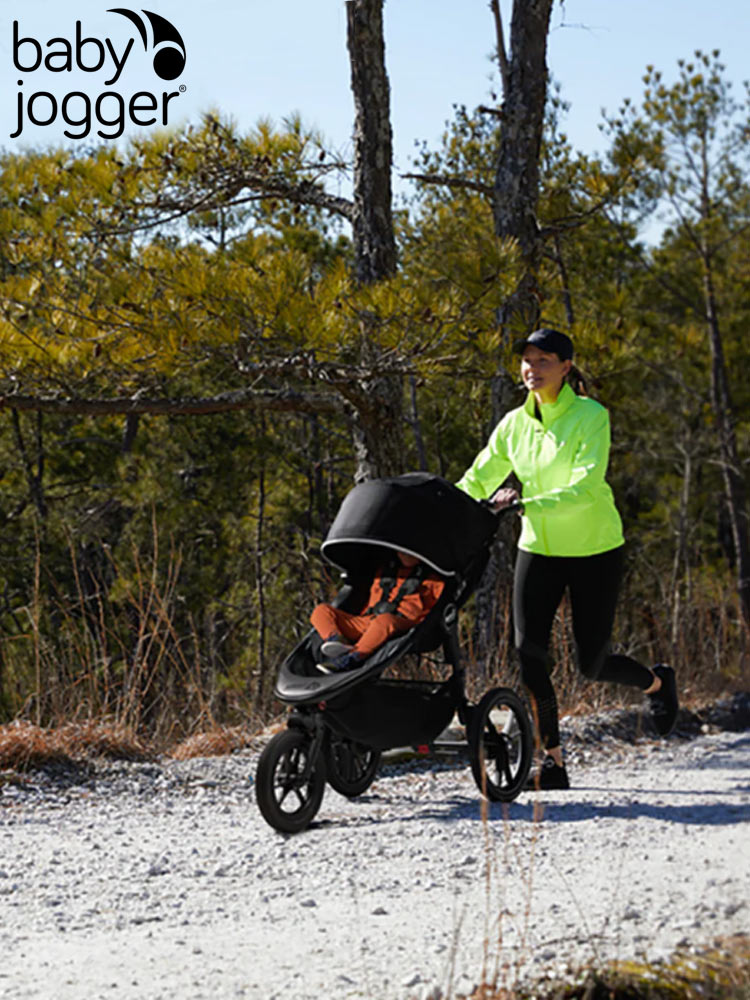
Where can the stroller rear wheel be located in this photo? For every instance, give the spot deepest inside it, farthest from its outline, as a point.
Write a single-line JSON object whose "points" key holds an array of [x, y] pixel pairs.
{"points": [[500, 743], [289, 783], [350, 767]]}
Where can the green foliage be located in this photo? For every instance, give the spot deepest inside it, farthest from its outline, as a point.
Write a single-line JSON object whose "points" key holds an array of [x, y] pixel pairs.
{"points": [[172, 560]]}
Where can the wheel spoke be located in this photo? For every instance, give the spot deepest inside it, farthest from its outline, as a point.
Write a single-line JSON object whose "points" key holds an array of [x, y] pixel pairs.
{"points": [[291, 771], [496, 749], [500, 740], [285, 790], [506, 769], [351, 766], [289, 785]]}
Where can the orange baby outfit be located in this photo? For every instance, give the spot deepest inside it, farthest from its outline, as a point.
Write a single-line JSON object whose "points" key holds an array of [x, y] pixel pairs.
{"points": [[369, 631]]}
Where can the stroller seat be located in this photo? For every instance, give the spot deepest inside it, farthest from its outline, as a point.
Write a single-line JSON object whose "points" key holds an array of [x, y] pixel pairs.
{"points": [[417, 513], [299, 681]]}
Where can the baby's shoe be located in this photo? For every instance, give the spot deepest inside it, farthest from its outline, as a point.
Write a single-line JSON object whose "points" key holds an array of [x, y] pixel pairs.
{"points": [[335, 646], [342, 663]]}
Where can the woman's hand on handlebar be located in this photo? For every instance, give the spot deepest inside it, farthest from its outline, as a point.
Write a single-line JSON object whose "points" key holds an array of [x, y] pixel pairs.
{"points": [[503, 498]]}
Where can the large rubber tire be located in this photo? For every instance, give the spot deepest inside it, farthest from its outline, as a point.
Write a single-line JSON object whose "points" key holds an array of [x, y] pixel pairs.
{"points": [[350, 767], [287, 799], [500, 744]]}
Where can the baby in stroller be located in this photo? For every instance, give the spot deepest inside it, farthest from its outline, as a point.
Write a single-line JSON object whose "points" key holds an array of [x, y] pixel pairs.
{"points": [[402, 594]]}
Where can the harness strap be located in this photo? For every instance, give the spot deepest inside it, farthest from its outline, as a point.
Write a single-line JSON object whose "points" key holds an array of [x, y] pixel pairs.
{"points": [[410, 585]]}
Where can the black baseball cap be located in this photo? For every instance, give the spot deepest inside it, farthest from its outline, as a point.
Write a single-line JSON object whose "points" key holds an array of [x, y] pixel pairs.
{"points": [[548, 340]]}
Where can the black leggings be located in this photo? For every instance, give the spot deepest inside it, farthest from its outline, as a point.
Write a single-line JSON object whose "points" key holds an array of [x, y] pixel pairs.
{"points": [[593, 583]]}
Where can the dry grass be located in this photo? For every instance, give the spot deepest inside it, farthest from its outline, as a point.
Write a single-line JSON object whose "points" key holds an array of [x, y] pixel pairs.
{"points": [[217, 742], [718, 973], [25, 746], [128, 654], [131, 654]]}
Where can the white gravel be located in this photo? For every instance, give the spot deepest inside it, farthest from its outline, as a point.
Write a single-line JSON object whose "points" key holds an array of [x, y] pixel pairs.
{"points": [[140, 882]]}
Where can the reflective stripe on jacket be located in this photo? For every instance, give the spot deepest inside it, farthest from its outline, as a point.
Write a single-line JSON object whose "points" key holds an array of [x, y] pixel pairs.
{"points": [[561, 461]]}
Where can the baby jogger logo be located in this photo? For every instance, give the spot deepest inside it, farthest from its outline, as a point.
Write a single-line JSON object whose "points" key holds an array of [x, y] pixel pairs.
{"points": [[109, 109], [168, 47]]}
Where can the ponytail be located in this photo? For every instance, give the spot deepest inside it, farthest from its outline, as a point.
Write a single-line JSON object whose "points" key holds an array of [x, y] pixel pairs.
{"points": [[576, 381]]}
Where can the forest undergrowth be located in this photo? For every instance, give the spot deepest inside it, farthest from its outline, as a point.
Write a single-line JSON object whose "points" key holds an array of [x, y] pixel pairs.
{"points": [[718, 972]]}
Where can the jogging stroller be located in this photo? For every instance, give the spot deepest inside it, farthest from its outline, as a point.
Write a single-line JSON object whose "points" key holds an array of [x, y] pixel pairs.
{"points": [[340, 723]]}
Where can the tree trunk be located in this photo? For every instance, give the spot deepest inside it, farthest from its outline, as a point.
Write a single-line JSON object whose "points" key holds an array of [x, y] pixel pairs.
{"points": [[515, 200], [317, 505], [565, 284], [378, 427], [33, 467], [4, 707], [378, 414], [374, 242], [516, 190], [734, 483], [416, 426], [260, 595], [495, 588], [681, 562], [132, 422]]}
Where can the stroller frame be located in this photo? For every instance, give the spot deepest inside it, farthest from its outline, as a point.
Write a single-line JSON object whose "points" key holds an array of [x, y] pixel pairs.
{"points": [[339, 724]]}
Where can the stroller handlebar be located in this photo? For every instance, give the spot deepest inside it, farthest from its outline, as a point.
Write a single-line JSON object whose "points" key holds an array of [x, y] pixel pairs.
{"points": [[514, 507]]}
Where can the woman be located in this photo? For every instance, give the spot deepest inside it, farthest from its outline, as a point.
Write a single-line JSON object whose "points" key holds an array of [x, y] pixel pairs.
{"points": [[557, 444]]}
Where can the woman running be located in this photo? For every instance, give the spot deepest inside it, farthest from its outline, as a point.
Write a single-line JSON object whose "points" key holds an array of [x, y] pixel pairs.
{"points": [[557, 444]]}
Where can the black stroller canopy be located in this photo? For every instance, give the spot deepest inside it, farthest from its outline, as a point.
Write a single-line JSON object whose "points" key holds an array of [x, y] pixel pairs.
{"points": [[418, 513]]}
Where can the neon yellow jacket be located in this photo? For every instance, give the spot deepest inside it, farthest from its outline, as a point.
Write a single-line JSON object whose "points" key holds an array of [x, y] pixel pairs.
{"points": [[561, 462]]}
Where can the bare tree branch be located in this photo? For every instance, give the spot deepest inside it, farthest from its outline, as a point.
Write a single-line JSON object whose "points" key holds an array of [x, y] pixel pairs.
{"points": [[502, 55], [555, 226], [637, 254], [281, 400], [243, 190], [454, 182]]}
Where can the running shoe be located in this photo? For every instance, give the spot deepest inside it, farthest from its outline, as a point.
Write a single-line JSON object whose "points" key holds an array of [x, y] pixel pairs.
{"points": [[663, 703], [549, 777]]}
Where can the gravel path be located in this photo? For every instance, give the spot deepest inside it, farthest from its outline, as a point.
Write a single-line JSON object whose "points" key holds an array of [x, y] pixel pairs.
{"points": [[146, 881]]}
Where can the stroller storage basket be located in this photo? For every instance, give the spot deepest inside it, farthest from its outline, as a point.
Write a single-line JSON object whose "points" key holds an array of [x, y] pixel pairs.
{"points": [[389, 713]]}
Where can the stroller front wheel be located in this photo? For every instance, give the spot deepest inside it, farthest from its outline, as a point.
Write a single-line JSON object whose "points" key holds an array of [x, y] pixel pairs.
{"points": [[289, 782], [500, 744]]}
